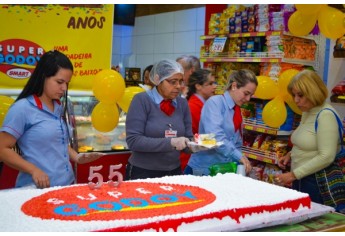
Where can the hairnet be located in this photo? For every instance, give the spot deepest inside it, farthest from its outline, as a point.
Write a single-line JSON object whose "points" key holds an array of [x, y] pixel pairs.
{"points": [[164, 69]]}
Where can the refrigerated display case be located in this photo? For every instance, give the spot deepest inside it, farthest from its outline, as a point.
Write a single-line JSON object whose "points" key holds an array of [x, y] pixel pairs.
{"points": [[86, 137]]}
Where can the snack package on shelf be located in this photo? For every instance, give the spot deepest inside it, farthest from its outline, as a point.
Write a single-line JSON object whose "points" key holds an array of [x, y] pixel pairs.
{"points": [[339, 89], [248, 138], [258, 141], [279, 147], [270, 172], [248, 110], [299, 48], [267, 144], [257, 170]]}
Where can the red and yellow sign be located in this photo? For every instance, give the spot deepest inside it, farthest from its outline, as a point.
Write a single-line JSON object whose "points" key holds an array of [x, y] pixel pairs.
{"points": [[132, 200], [82, 32]]}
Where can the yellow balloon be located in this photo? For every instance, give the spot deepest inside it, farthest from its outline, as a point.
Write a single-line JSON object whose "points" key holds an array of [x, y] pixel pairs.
{"points": [[108, 86], [274, 113], [289, 100], [267, 88], [127, 97], [331, 22], [5, 102], [301, 25], [105, 117], [309, 9], [284, 79]]}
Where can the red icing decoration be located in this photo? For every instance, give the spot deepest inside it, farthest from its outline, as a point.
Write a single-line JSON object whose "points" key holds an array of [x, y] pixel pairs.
{"points": [[233, 213]]}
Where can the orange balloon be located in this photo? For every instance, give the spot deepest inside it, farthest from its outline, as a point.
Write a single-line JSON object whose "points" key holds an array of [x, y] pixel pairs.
{"points": [[108, 86], [301, 25], [105, 117], [126, 99], [266, 89], [274, 113], [5, 102]]}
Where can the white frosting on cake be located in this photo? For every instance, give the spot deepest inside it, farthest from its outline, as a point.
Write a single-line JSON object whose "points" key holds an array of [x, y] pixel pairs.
{"points": [[231, 190]]}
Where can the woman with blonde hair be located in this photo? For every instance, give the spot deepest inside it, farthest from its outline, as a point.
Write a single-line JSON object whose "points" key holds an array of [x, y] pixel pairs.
{"points": [[313, 149]]}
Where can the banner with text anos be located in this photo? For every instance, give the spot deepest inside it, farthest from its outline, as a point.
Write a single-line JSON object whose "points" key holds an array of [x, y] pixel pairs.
{"points": [[82, 32]]}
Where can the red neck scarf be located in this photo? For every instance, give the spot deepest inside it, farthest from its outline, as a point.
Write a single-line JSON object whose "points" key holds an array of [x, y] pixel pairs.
{"points": [[237, 118], [167, 107]]}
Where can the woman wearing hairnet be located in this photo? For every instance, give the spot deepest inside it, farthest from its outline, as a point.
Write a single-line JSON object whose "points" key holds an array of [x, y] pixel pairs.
{"points": [[158, 125]]}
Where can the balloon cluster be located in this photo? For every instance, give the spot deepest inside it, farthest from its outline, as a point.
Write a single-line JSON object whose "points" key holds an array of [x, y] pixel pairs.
{"points": [[5, 102], [274, 112], [110, 89], [331, 21]]}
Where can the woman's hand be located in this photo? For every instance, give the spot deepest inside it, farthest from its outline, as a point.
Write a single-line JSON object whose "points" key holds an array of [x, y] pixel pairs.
{"points": [[285, 178], [179, 143], [244, 160], [40, 178], [83, 158], [284, 160]]}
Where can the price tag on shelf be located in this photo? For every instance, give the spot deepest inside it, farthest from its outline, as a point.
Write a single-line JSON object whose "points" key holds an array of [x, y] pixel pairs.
{"points": [[218, 44], [271, 132], [248, 127], [266, 160], [261, 130], [252, 156]]}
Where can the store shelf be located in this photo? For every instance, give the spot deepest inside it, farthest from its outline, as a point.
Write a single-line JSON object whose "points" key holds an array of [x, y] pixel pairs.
{"points": [[253, 125], [253, 57], [258, 56], [238, 35], [238, 59], [260, 155], [299, 62], [337, 99]]}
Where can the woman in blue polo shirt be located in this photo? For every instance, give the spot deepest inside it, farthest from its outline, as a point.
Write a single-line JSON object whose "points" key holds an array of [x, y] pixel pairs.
{"points": [[35, 125], [221, 115]]}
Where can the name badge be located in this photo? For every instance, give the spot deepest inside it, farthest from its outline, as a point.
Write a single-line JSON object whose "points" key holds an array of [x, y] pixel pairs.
{"points": [[170, 133]]}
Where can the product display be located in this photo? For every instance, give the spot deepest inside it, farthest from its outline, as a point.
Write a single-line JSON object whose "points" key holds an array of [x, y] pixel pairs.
{"points": [[179, 203], [87, 138]]}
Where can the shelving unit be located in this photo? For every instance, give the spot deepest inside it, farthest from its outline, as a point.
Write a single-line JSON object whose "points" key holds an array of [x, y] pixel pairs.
{"points": [[258, 154], [252, 125], [257, 56]]}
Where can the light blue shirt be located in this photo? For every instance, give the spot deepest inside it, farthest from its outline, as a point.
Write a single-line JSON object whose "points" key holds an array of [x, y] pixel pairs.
{"points": [[43, 139], [157, 98], [217, 117]]}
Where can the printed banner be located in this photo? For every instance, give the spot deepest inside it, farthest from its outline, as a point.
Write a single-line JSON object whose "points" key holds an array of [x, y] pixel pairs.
{"points": [[82, 32]]}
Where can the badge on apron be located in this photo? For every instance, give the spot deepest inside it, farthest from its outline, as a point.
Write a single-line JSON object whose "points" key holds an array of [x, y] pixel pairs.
{"points": [[170, 133]]}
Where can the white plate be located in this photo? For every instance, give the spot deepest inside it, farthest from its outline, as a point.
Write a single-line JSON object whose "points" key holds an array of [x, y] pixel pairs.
{"points": [[209, 146]]}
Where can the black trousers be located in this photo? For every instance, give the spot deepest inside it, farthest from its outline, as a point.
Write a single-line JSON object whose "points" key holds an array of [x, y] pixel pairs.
{"points": [[308, 185], [134, 172]]}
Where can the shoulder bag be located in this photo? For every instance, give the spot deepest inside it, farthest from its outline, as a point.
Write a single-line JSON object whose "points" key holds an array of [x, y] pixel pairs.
{"points": [[331, 180]]}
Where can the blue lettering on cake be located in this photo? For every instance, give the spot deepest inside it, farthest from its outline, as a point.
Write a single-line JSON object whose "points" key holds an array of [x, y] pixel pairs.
{"points": [[160, 199]]}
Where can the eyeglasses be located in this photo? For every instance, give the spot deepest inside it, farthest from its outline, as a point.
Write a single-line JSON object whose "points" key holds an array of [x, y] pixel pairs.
{"points": [[175, 82]]}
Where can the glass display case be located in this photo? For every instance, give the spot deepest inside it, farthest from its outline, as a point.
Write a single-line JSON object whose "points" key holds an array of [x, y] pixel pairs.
{"points": [[85, 137]]}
